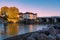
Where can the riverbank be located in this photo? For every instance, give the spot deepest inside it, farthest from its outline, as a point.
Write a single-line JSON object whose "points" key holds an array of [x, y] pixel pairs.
{"points": [[49, 33]]}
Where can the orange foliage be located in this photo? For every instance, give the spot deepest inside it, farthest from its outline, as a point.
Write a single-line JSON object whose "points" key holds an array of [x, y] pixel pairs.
{"points": [[4, 9], [11, 12]]}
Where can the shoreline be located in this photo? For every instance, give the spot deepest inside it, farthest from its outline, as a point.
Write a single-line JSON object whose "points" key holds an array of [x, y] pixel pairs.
{"points": [[50, 33]]}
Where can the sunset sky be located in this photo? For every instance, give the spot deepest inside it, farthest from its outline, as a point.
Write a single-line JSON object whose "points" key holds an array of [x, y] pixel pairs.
{"points": [[43, 8]]}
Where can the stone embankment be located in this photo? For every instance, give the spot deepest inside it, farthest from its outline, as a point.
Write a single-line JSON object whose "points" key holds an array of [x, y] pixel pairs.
{"points": [[49, 33]]}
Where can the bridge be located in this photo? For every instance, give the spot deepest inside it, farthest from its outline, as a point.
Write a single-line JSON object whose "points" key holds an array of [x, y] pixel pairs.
{"points": [[49, 19]]}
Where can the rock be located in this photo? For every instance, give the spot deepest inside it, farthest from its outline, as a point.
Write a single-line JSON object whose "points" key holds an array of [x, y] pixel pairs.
{"points": [[57, 31], [58, 36], [33, 36], [57, 26], [51, 37], [52, 30], [42, 37], [36, 36], [46, 30]]}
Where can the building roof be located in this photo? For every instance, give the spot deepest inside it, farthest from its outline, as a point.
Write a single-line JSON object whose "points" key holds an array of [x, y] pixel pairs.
{"points": [[35, 14], [29, 13], [20, 13]]}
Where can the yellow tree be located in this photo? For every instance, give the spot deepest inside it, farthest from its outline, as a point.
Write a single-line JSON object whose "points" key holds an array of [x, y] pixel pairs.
{"points": [[13, 14], [4, 9], [0, 13]]}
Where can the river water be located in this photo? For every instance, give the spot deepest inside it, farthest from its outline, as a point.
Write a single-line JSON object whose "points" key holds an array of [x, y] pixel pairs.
{"points": [[13, 29]]}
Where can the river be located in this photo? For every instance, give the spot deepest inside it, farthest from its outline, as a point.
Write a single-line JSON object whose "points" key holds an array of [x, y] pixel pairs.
{"points": [[13, 29]]}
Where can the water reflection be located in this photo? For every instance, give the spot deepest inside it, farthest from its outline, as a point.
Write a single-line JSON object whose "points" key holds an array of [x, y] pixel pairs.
{"points": [[1, 28], [30, 28], [26, 28], [12, 29]]}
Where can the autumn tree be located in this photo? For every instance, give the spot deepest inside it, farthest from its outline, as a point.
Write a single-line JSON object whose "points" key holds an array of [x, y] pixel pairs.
{"points": [[13, 14], [0, 12], [4, 9]]}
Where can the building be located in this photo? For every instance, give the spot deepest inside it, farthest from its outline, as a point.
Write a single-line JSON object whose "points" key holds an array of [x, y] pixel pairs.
{"points": [[29, 17], [35, 16], [20, 16]]}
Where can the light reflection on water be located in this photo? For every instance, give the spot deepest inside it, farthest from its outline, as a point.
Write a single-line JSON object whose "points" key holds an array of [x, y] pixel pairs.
{"points": [[12, 29], [16, 29]]}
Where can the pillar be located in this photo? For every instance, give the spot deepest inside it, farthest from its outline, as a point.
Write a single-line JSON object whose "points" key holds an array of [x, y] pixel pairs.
{"points": [[40, 19], [55, 20], [47, 19]]}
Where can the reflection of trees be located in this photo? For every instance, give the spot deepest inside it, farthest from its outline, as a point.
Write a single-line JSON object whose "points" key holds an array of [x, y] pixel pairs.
{"points": [[5, 28], [12, 29]]}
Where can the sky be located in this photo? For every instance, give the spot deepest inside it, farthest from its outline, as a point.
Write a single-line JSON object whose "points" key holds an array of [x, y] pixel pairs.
{"points": [[43, 8]]}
